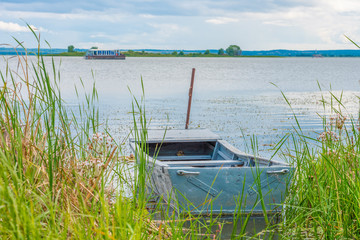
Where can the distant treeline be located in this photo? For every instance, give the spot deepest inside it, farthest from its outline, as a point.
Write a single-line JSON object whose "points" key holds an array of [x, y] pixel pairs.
{"points": [[192, 53], [305, 53]]}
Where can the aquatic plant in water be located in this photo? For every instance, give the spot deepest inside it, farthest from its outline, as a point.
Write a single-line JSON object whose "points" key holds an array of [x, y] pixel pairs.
{"points": [[324, 200]]}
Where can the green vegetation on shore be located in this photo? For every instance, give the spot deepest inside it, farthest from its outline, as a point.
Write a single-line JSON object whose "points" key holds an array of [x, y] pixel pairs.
{"points": [[231, 51], [131, 53], [70, 53], [67, 54]]}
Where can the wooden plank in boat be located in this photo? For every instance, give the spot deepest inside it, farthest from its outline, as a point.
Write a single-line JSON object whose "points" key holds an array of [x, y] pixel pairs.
{"points": [[181, 158], [207, 163]]}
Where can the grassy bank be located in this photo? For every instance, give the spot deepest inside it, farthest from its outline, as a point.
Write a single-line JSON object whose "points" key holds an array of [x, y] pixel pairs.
{"points": [[67, 54], [131, 53]]}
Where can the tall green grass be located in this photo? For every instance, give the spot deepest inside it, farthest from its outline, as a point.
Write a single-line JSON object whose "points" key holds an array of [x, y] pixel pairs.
{"points": [[58, 168], [324, 200]]}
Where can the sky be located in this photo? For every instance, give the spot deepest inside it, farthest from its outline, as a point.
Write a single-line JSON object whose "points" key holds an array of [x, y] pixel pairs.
{"points": [[183, 24]]}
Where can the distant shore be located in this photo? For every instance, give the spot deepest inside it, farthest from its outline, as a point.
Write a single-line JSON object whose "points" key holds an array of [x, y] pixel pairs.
{"points": [[191, 53], [146, 54], [67, 54]]}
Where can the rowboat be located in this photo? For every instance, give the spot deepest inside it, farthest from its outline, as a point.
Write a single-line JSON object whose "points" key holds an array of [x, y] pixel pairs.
{"points": [[196, 171]]}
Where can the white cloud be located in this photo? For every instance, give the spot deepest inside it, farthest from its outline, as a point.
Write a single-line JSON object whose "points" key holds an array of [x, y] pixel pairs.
{"points": [[325, 23], [107, 16], [290, 24], [12, 27], [100, 35], [222, 20], [277, 23], [100, 45], [342, 5], [147, 16], [165, 30]]}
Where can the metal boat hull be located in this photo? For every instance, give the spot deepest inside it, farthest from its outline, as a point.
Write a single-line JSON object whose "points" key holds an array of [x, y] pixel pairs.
{"points": [[212, 176]]}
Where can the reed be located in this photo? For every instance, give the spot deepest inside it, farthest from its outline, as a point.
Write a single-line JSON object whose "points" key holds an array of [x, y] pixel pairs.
{"points": [[323, 202], [59, 167]]}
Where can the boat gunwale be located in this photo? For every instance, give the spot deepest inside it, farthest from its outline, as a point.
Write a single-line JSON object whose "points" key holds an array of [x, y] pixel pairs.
{"points": [[172, 135], [274, 163]]}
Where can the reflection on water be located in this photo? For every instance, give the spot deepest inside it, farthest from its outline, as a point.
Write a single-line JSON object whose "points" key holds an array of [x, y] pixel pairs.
{"points": [[237, 226], [232, 96], [255, 227], [215, 77], [266, 117]]}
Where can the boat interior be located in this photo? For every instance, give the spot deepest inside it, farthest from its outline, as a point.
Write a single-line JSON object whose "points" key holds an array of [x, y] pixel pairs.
{"points": [[201, 154]]}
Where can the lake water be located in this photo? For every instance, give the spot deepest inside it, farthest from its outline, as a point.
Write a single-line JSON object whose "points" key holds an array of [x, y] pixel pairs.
{"points": [[235, 97]]}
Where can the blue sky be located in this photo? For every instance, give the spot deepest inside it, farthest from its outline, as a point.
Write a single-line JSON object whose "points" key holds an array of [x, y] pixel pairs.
{"points": [[184, 24]]}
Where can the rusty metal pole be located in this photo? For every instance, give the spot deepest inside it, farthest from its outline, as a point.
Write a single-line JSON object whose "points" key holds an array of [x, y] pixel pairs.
{"points": [[190, 97]]}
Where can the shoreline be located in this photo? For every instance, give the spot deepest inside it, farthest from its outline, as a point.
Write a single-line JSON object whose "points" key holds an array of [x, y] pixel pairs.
{"points": [[82, 54], [195, 55]]}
